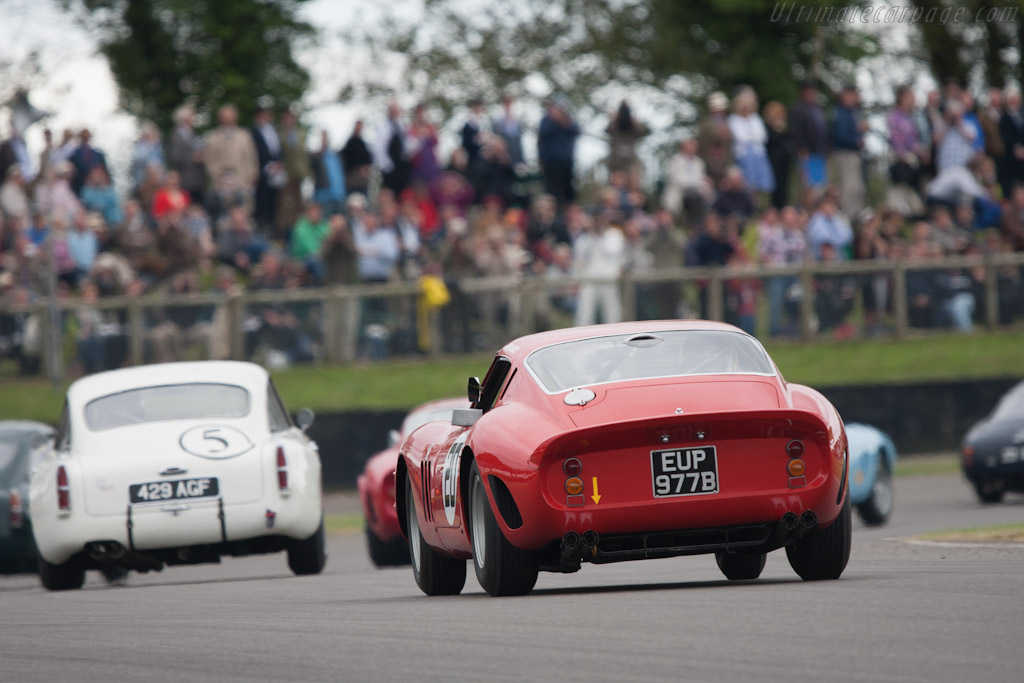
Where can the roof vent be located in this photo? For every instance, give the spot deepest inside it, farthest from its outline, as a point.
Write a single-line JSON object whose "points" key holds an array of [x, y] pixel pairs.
{"points": [[579, 397]]}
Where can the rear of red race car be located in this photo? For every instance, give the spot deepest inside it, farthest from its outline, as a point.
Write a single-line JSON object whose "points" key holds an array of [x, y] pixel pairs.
{"points": [[738, 484]]}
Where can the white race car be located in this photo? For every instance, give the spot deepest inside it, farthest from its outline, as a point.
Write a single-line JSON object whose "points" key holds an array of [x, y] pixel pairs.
{"points": [[178, 463]]}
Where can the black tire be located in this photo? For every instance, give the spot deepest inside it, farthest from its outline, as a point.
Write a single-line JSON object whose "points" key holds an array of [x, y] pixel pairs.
{"points": [[876, 510], [989, 490], [435, 574], [741, 567], [393, 553], [501, 568], [310, 555], [822, 554], [62, 577]]}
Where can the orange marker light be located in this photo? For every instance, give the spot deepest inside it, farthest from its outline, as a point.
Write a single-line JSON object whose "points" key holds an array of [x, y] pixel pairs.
{"points": [[796, 467], [574, 486]]}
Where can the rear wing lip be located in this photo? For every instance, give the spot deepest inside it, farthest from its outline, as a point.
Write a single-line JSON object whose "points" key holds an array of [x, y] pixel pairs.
{"points": [[810, 424]]}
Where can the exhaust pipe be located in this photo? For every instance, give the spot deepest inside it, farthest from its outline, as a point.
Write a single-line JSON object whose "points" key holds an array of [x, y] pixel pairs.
{"points": [[789, 521], [590, 539], [571, 540], [809, 520]]}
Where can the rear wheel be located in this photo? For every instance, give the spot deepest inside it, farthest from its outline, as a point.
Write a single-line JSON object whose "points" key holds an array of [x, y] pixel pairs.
{"points": [[309, 556], [741, 567], [989, 490], [822, 554], [435, 574], [501, 568], [62, 577], [876, 510], [391, 553]]}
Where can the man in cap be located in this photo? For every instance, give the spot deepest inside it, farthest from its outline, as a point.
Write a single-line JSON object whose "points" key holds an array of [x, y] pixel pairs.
{"points": [[714, 140]]}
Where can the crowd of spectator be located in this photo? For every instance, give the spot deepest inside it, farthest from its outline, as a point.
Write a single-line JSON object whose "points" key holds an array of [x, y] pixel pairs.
{"points": [[263, 208]]}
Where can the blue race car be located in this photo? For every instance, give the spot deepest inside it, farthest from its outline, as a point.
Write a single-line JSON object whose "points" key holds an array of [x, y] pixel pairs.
{"points": [[872, 459]]}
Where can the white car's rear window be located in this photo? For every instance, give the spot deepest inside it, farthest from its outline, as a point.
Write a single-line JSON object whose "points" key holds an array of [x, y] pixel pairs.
{"points": [[169, 402], [622, 357]]}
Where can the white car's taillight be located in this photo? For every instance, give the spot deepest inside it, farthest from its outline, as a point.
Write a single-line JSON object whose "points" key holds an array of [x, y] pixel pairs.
{"points": [[282, 470], [63, 490], [17, 515]]}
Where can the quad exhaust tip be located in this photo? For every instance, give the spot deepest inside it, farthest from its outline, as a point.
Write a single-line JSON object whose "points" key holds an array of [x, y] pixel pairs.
{"points": [[789, 521], [571, 539], [808, 519], [590, 538]]}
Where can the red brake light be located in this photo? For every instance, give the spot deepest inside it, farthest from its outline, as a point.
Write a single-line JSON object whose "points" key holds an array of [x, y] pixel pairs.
{"points": [[572, 467], [17, 518], [282, 470], [795, 448], [63, 490]]}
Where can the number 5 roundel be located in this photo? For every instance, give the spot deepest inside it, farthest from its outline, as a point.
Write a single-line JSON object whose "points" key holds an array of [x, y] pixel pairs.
{"points": [[215, 441]]}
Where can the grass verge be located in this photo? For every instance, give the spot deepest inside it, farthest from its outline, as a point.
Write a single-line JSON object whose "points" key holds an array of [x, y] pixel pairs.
{"points": [[999, 533], [343, 524], [927, 466]]}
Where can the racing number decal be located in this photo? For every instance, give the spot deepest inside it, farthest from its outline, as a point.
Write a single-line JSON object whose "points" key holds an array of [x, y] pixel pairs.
{"points": [[450, 478], [215, 441]]}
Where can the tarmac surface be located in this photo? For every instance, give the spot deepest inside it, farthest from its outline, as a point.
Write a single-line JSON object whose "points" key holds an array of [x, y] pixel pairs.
{"points": [[902, 612]]}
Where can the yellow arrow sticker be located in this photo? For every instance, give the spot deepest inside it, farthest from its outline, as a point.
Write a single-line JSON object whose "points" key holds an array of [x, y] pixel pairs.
{"points": [[597, 496]]}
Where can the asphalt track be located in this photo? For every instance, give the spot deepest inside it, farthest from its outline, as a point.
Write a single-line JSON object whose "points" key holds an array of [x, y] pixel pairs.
{"points": [[901, 612]]}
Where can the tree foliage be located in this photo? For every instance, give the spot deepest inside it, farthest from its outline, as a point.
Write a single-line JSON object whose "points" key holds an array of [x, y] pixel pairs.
{"points": [[209, 52]]}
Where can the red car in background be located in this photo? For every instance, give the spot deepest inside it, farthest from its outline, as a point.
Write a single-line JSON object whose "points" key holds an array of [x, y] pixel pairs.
{"points": [[625, 442], [376, 485]]}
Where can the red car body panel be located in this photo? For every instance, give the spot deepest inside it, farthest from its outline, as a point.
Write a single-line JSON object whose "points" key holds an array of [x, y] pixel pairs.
{"points": [[525, 438], [376, 485]]}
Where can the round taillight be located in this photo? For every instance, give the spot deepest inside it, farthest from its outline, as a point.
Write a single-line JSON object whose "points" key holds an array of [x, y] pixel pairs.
{"points": [[572, 467], [796, 468], [574, 486], [795, 448]]}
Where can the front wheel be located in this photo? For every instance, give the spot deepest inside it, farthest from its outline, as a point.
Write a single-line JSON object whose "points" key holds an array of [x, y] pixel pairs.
{"points": [[876, 510], [435, 574], [501, 568], [822, 554], [989, 490], [309, 556], [741, 567], [62, 577]]}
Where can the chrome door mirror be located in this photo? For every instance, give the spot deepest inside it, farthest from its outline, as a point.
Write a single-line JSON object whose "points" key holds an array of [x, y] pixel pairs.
{"points": [[304, 418], [394, 438]]}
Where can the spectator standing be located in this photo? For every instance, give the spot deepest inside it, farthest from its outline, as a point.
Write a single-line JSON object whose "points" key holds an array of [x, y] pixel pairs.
{"points": [[666, 244], [378, 250], [988, 119], [391, 154], [909, 152], [687, 189], [545, 227], [328, 177], [85, 158], [186, 153], [170, 197], [810, 135], [148, 151], [53, 192], [13, 194], [471, 134], [599, 252], [748, 141], [271, 175], [1011, 129], [733, 198], [507, 127], [624, 131], [556, 148], [422, 139], [955, 182], [82, 244], [237, 245], [781, 242], [828, 226], [356, 161], [14, 152], [230, 154], [295, 159], [715, 139], [847, 143], [781, 151], [98, 195], [338, 251]]}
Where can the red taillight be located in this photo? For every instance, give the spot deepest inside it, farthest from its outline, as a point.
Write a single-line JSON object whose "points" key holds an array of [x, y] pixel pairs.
{"points": [[282, 470], [795, 448], [17, 510], [63, 490], [572, 467]]}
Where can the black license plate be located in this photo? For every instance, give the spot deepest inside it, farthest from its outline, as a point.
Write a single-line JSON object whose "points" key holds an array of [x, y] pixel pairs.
{"points": [[175, 489], [684, 471]]}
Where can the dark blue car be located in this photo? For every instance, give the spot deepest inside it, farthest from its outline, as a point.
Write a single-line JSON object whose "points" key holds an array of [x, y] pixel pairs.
{"points": [[993, 451]]}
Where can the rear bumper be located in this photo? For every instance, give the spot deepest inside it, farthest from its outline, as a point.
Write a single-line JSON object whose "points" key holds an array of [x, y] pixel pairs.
{"points": [[151, 529]]}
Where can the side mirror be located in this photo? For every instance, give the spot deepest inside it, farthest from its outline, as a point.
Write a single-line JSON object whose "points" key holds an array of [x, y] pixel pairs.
{"points": [[466, 417], [473, 389], [304, 418], [393, 438]]}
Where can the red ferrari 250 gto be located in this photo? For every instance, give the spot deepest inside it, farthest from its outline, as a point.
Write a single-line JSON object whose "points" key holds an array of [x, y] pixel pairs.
{"points": [[384, 541], [625, 442]]}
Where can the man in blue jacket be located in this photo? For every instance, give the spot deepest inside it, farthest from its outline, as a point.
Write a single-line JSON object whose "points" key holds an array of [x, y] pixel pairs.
{"points": [[847, 142], [556, 148]]}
